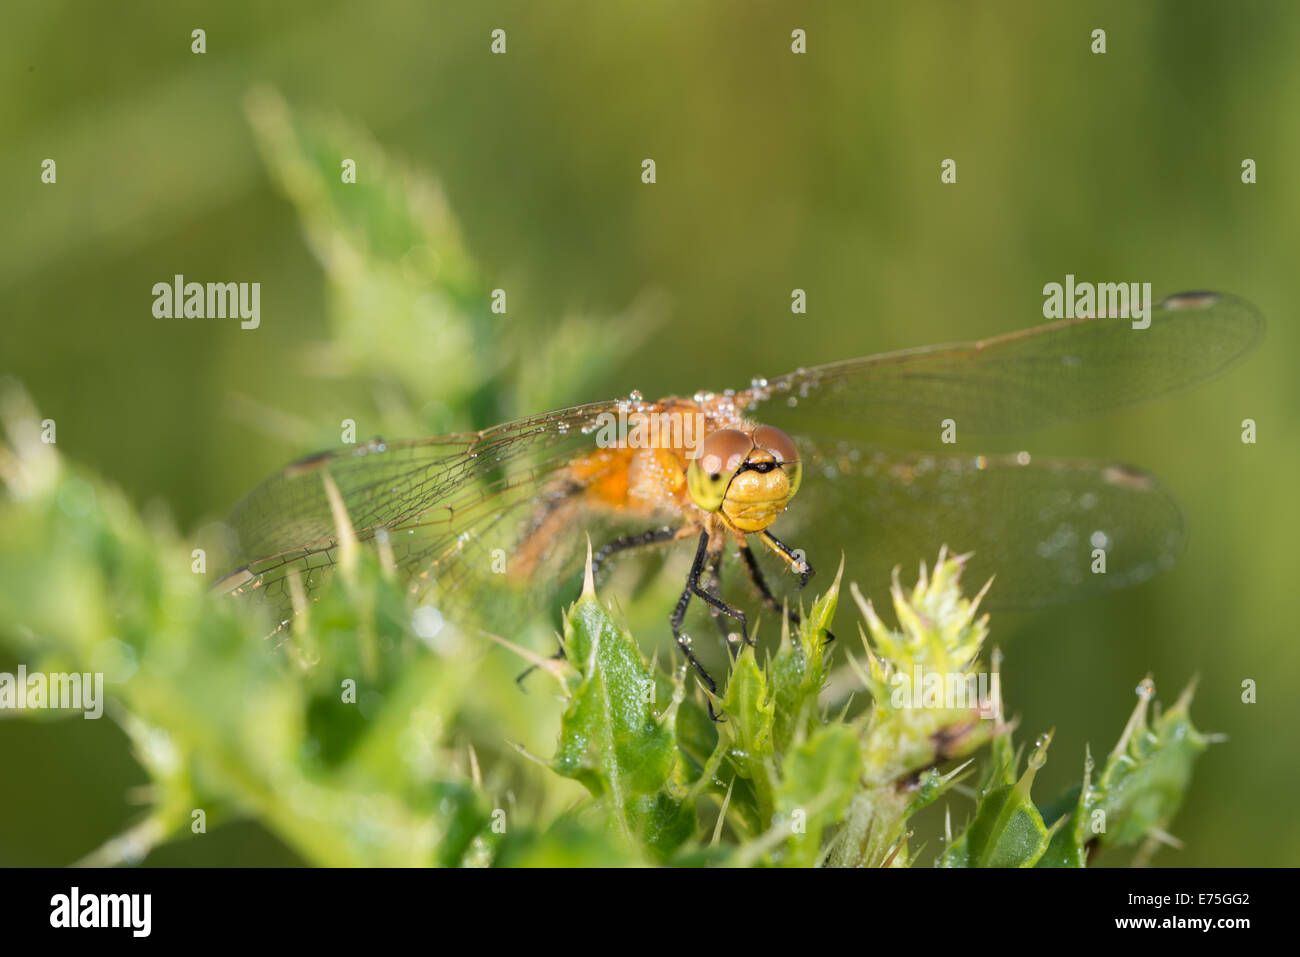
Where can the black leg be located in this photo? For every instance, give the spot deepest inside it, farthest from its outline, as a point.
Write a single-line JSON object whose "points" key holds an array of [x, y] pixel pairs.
{"points": [[698, 567], [679, 613], [519, 680], [628, 542], [713, 585], [715, 602], [760, 583]]}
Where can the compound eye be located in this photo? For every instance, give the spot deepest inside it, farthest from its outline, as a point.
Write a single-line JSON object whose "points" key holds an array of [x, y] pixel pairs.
{"points": [[723, 452], [709, 474], [772, 439]]}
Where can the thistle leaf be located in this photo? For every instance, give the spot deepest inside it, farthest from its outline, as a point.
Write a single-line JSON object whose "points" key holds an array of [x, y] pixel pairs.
{"points": [[616, 738]]}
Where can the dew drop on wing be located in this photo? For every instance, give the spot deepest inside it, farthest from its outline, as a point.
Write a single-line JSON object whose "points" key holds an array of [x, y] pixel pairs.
{"points": [[1196, 299], [1125, 477]]}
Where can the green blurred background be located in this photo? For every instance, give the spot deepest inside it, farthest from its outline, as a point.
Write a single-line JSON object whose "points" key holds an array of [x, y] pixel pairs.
{"points": [[775, 171]]}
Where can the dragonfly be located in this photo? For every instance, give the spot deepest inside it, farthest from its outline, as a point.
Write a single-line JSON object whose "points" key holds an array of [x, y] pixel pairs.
{"points": [[471, 518]]}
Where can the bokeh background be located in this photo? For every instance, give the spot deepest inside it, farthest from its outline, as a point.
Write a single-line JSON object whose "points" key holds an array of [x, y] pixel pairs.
{"points": [[775, 171]]}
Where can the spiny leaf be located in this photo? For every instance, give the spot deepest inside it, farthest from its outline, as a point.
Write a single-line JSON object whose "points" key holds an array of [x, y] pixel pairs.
{"points": [[1141, 786], [1007, 829], [614, 738], [819, 777], [799, 669]]}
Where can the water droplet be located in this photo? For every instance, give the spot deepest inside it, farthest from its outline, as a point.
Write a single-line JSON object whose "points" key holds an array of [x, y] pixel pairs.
{"points": [[1146, 689], [426, 621], [1190, 300], [1126, 477]]}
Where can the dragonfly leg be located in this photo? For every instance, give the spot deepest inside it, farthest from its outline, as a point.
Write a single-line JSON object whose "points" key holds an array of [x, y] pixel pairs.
{"points": [[626, 543], [713, 585], [698, 567], [760, 583], [794, 557], [519, 680], [653, 537], [718, 606], [761, 586]]}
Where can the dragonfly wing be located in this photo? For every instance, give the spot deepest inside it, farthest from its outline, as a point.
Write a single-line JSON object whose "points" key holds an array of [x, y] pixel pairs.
{"points": [[1034, 524], [455, 510], [1027, 379]]}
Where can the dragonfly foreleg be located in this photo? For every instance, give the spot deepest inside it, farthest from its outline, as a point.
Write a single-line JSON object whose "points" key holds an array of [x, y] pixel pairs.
{"points": [[794, 557], [760, 583]]}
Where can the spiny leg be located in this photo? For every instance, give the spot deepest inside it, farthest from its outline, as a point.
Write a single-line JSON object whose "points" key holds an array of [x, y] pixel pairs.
{"points": [[628, 542], [679, 614], [718, 606], [713, 584], [761, 586]]}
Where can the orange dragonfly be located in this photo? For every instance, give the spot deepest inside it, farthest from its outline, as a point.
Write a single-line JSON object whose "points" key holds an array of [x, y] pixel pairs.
{"points": [[472, 517]]}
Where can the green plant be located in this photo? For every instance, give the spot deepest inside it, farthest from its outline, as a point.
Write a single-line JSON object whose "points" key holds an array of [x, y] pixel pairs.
{"points": [[361, 735], [359, 742]]}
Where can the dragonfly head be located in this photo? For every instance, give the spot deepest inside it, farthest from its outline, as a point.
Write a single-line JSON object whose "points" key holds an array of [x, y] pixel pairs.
{"points": [[749, 477]]}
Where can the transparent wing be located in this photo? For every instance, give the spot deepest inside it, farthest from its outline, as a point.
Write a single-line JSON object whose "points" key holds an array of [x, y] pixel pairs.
{"points": [[1026, 379], [455, 510], [1034, 523]]}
